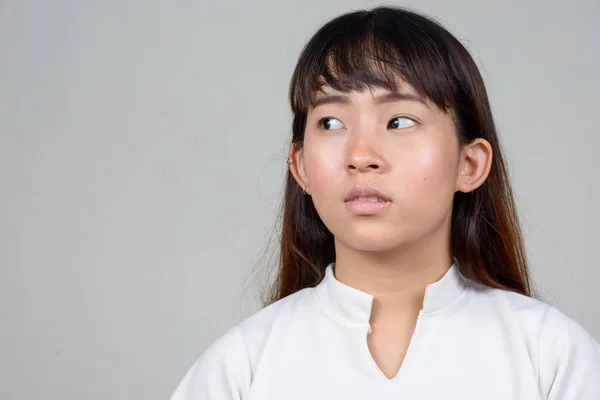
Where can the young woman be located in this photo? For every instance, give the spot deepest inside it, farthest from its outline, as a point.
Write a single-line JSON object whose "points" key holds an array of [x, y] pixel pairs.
{"points": [[403, 273]]}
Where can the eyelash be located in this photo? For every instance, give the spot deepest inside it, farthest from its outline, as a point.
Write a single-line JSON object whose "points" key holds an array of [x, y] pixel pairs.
{"points": [[321, 122]]}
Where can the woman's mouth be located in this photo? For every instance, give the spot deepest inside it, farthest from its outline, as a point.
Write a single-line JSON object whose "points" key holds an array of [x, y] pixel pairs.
{"points": [[367, 205], [366, 200]]}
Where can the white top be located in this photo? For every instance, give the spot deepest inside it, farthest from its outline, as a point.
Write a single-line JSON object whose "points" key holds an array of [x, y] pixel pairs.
{"points": [[470, 342]]}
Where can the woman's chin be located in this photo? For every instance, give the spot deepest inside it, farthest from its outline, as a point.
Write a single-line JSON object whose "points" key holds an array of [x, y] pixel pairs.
{"points": [[373, 243], [374, 247]]}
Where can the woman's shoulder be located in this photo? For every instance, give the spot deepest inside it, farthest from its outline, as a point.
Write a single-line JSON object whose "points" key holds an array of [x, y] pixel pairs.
{"points": [[566, 354], [225, 368], [297, 303], [222, 370], [569, 358], [531, 312], [508, 304], [247, 335]]}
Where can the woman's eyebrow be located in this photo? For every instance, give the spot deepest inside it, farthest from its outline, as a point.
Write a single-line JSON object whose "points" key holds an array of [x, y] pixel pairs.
{"points": [[387, 97], [330, 99]]}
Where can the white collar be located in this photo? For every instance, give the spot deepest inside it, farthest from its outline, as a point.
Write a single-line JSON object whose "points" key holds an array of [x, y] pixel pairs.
{"points": [[354, 305]]}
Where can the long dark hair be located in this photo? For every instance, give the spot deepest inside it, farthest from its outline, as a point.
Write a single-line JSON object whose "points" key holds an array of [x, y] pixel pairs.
{"points": [[369, 48]]}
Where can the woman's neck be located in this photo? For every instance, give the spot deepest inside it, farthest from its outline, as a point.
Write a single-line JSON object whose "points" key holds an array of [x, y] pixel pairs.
{"points": [[396, 280]]}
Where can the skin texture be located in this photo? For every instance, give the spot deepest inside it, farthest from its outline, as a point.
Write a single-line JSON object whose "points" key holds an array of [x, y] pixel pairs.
{"points": [[407, 149]]}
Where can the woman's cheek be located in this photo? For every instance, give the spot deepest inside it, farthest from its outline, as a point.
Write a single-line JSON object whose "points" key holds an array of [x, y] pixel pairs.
{"points": [[323, 169], [432, 177], [322, 181]]}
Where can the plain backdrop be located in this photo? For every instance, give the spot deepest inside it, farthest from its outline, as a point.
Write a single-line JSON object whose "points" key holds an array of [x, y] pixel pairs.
{"points": [[142, 154]]}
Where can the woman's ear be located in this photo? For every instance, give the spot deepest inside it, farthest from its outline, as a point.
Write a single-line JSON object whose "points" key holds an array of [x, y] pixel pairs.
{"points": [[296, 163], [474, 165]]}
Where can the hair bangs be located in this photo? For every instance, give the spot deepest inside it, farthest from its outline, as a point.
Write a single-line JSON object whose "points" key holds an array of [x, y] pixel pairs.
{"points": [[365, 50]]}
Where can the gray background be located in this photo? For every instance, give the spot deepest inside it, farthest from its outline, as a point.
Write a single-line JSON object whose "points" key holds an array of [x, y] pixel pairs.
{"points": [[142, 155]]}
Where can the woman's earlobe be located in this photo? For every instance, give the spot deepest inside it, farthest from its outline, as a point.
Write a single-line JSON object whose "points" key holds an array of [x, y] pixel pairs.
{"points": [[296, 168]]}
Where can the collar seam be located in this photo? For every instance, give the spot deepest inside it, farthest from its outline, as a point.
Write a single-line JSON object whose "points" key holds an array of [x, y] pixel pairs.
{"points": [[449, 306], [335, 316]]}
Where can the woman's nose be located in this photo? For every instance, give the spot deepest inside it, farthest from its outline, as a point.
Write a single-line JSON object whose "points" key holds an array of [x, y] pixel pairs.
{"points": [[363, 164], [363, 156]]}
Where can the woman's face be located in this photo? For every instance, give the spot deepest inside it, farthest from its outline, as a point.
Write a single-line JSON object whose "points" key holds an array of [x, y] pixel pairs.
{"points": [[393, 142]]}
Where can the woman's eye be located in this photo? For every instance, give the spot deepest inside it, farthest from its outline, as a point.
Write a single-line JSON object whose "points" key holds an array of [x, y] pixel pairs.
{"points": [[330, 123], [401, 122]]}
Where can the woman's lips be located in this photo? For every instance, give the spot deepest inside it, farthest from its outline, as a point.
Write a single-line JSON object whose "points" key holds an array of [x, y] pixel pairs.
{"points": [[366, 207]]}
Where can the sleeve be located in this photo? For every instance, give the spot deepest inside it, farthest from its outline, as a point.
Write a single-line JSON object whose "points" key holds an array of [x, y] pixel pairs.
{"points": [[569, 359], [222, 372]]}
